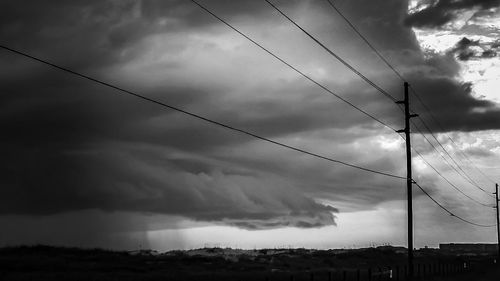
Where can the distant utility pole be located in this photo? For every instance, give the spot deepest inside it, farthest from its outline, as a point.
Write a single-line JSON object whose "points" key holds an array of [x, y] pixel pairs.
{"points": [[409, 179], [498, 225]]}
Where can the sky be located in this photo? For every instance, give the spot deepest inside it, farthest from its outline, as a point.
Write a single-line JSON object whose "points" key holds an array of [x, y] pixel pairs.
{"points": [[89, 166]]}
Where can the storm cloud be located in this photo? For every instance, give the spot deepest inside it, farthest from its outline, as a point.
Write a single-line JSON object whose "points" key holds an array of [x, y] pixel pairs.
{"points": [[467, 49], [70, 145], [437, 13]]}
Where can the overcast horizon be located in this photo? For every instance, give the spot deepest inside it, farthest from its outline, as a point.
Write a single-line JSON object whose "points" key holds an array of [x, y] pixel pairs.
{"points": [[86, 165]]}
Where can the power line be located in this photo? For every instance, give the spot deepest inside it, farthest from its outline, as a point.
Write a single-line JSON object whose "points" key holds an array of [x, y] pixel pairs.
{"points": [[382, 91], [449, 212], [467, 178], [292, 67], [465, 175], [444, 158], [447, 180], [378, 88], [234, 128], [442, 128], [366, 41], [442, 176], [387, 95], [199, 116], [446, 161], [415, 93]]}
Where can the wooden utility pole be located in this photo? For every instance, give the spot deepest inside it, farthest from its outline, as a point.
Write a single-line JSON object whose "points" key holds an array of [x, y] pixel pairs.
{"points": [[498, 225], [409, 179]]}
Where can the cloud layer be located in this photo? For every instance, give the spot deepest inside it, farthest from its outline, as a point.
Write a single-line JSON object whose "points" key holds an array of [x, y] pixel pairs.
{"points": [[70, 145], [437, 13]]}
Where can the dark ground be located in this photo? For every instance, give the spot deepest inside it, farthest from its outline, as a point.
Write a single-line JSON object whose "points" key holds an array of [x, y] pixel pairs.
{"points": [[487, 274], [57, 263]]}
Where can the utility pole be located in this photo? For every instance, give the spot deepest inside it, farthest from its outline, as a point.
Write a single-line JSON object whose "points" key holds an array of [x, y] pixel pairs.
{"points": [[409, 179], [498, 225]]}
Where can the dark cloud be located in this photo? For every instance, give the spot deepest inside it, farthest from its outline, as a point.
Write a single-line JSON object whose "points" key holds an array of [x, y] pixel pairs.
{"points": [[109, 30], [436, 13], [63, 28], [467, 49], [71, 179], [453, 104], [488, 54], [442, 65], [64, 133], [463, 50], [69, 145], [373, 16], [465, 43]]}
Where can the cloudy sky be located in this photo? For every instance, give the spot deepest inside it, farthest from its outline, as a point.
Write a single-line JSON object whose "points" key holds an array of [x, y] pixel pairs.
{"points": [[87, 165]]}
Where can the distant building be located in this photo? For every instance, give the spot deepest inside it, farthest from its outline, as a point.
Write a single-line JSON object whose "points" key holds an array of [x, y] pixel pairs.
{"points": [[466, 248]]}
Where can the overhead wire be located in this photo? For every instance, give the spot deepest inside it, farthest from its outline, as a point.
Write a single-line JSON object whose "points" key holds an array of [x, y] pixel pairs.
{"points": [[292, 67], [465, 175], [442, 156], [342, 61], [254, 135], [426, 108], [448, 181], [436, 170], [379, 89], [385, 94], [373, 84], [449, 212], [247, 132], [379, 54], [366, 41], [345, 63]]}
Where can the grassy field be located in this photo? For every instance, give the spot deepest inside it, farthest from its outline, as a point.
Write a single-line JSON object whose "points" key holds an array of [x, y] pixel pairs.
{"points": [[55, 263]]}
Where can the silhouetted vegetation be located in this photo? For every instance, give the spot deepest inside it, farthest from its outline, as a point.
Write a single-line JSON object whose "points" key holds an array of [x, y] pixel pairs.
{"points": [[59, 263]]}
